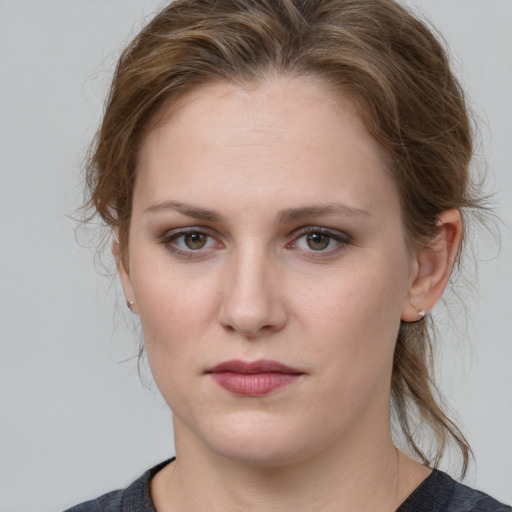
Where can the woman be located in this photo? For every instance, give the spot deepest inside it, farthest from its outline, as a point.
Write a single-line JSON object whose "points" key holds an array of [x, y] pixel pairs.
{"points": [[286, 184]]}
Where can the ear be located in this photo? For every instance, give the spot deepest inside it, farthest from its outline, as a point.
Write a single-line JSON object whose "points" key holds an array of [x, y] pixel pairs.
{"points": [[124, 276], [433, 266]]}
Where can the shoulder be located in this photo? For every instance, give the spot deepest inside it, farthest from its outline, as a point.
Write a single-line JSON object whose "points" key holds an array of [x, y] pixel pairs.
{"points": [[110, 502], [441, 493], [135, 498]]}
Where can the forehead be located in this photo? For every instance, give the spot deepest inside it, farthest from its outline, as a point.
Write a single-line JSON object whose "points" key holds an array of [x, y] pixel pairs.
{"points": [[274, 105], [285, 137]]}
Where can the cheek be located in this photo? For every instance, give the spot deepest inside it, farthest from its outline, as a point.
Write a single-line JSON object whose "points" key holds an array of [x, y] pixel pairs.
{"points": [[367, 295], [174, 312], [356, 317], [357, 337]]}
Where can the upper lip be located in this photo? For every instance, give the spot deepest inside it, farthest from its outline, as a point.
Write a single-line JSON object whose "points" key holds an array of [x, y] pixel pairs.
{"points": [[247, 367]]}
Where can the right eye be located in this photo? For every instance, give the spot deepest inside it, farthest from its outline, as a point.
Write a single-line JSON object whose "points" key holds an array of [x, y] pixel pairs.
{"points": [[185, 243], [193, 241]]}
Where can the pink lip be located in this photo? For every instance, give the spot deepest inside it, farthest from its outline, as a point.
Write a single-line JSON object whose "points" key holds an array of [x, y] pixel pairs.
{"points": [[256, 378]]}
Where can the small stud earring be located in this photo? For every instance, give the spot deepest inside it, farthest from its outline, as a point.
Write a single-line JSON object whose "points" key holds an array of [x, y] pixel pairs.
{"points": [[130, 303], [421, 314]]}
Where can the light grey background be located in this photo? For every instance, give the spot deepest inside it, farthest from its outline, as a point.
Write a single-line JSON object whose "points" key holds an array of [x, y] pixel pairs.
{"points": [[75, 420]]}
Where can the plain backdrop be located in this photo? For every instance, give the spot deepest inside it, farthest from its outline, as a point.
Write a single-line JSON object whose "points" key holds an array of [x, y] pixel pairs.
{"points": [[75, 419]]}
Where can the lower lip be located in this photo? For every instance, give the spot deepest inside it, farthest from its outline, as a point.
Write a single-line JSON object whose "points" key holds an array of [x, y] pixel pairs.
{"points": [[253, 384]]}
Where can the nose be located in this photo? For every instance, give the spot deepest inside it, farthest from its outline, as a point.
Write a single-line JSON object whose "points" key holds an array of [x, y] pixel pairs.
{"points": [[252, 296]]}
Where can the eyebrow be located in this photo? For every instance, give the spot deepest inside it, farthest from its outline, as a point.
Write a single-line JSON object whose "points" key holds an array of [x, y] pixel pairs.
{"points": [[285, 216], [186, 209], [293, 214]]}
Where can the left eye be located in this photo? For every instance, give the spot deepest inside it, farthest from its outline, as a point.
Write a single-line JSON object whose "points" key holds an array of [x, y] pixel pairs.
{"points": [[318, 241]]}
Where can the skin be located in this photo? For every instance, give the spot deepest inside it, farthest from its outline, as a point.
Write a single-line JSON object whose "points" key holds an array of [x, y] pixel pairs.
{"points": [[248, 170]]}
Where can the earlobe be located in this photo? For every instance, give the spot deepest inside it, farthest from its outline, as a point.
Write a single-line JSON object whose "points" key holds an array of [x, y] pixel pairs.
{"points": [[433, 267], [124, 277]]}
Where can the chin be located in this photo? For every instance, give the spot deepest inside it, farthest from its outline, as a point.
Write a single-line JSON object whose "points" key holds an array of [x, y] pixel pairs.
{"points": [[260, 440]]}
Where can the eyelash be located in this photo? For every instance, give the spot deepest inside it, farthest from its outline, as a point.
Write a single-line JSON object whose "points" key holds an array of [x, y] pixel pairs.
{"points": [[338, 237]]}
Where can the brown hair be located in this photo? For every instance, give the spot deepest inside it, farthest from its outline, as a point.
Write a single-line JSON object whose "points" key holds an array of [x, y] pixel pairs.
{"points": [[384, 58]]}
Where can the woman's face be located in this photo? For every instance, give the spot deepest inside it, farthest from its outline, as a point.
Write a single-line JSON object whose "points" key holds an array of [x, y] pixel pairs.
{"points": [[268, 265]]}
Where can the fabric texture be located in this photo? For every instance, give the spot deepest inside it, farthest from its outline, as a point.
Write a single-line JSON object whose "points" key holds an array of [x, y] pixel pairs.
{"points": [[438, 493]]}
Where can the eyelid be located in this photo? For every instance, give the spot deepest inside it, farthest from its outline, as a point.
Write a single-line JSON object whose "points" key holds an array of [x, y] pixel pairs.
{"points": [[173, 233]]}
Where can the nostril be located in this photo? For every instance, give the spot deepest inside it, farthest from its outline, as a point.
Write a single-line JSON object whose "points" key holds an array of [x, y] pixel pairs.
{"points": [[254, 326]]}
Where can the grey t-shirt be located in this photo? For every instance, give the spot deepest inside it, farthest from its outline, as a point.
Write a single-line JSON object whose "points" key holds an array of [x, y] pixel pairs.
{"points": [[438, 493]]}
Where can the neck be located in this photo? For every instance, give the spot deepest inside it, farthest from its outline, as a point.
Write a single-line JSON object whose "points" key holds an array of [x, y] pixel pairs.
{"points": [[365, 477]]}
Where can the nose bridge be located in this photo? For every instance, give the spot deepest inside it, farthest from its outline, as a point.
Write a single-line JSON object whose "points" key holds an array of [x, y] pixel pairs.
{"points": [[252, 302]]}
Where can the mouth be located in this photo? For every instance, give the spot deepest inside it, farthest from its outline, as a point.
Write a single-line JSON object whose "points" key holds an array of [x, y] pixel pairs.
{"points": [[255, 378]]}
